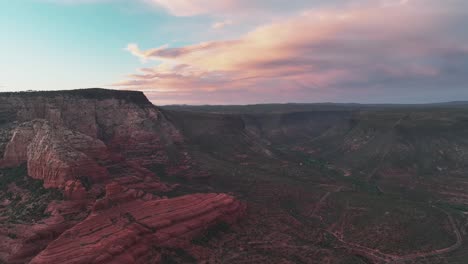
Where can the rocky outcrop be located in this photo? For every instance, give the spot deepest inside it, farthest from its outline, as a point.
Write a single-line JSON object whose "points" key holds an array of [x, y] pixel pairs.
{"points": [[113, 189], [32, 239], [126, 123], [135, 231], [74, 190], [55, 154]]}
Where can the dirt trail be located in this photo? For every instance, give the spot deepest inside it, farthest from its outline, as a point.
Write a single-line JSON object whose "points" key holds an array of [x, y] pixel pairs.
{"points": [[437, 251], [371, 253], [380, 257], [323, 199]]}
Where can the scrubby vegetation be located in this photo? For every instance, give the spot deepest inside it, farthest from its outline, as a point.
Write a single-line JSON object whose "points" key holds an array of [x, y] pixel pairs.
{"points": [[210, 233], [25, 199], [338, 183], [175, 256]]}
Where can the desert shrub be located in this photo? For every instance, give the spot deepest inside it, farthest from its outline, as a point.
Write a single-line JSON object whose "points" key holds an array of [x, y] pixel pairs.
{"points": [[37, 200], [211, 233]]}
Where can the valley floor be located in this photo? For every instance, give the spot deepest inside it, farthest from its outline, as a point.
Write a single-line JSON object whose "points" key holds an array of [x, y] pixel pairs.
{"points": [[302, 213]]}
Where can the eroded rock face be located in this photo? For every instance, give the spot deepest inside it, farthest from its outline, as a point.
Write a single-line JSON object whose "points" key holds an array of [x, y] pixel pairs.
{"points": [[55, 154], [113, 189], [89, 133], [126, 121], [104, 150], [74, 190], [132, 232], [30, 239]]}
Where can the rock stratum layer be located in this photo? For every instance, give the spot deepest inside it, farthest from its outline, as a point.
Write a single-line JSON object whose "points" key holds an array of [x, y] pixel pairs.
{"points": [[56, 154], [133, 232], [106, 152], [88, 133]]}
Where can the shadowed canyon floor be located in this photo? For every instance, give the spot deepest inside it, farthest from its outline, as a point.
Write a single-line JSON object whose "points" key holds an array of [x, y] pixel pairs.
{"points": [[337, 183], [101, 176]]}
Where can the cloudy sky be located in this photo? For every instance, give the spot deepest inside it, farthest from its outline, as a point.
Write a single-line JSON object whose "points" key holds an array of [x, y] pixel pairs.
{"points": [[240, 51]]}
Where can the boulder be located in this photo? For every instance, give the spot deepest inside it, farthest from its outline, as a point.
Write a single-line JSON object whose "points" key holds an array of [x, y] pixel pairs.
{"points": [[74, 190]]}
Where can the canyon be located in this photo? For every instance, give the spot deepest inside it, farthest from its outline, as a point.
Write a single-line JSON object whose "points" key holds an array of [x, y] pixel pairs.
{"points": [[104, 176], [101, 152]]}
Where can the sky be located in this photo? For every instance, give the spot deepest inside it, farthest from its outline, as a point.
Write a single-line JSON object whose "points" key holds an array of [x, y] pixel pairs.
{"points": [[240, 51]]}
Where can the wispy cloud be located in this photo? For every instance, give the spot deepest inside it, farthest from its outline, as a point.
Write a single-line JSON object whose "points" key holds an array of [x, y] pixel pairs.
{"points": [[222, 24], [209, 7], [307, 50], [223, 7]]}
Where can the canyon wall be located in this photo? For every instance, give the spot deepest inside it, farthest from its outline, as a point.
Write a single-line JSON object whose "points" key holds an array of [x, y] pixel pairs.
{"points": [[108, 153]]}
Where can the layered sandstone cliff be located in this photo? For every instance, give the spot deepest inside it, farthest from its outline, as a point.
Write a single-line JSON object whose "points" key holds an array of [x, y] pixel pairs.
{"points": [[55, 154], [87, 133], [105, 151], [134, 232]]}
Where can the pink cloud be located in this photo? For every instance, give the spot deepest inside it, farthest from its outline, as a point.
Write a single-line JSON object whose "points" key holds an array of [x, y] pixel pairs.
{"points": [[219, 7], [210, 7], [312, 55]]}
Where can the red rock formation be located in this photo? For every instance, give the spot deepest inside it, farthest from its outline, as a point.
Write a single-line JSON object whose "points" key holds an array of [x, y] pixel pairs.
{"points": [[113, 189], [115, 142], [132, 232], [55, 154], [125, 121], [34, 238], [117, 194], [132, 129], [74, 190]]}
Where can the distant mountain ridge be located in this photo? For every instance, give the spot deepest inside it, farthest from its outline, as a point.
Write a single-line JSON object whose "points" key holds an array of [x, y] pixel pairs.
{"points": [[301, 107]]}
